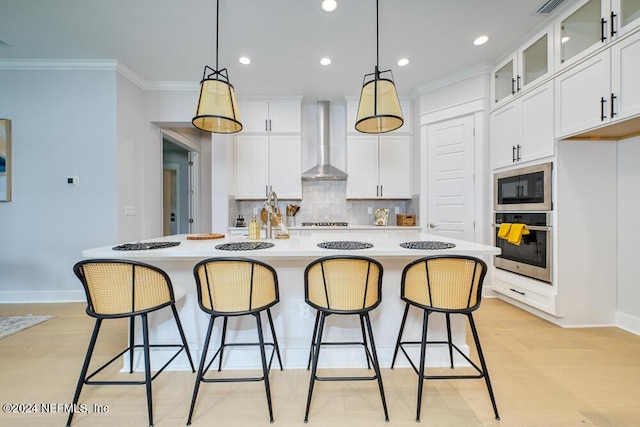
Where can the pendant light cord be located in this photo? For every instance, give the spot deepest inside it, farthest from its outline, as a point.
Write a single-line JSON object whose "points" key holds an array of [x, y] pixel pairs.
{"points": [[377, 39], [218, 31]]}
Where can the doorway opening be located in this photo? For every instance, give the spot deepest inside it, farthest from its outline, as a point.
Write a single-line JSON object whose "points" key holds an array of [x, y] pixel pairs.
{"points": [[178, 182]]}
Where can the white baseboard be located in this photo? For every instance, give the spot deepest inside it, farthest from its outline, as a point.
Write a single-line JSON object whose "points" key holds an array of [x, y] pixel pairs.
{"points": [[628, 323], [21, 297]]}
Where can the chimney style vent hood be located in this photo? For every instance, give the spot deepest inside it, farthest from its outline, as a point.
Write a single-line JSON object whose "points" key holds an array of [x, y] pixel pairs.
{"points": [[323, 170]]}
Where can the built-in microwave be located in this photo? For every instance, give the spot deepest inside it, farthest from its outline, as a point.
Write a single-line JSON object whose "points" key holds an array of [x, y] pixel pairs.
{"points": [[523, 189]]}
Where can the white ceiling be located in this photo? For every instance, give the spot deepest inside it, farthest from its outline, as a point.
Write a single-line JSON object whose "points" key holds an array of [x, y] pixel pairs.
{"points": [[171, 41]]}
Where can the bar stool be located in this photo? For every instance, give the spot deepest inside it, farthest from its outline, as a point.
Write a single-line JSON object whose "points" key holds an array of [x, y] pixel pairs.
{"points": [[118, 289], [232, 287], [343, 285], [449, 285]]}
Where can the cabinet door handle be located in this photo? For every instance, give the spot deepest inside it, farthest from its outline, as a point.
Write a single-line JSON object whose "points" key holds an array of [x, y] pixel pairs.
{"points": [[269, 125], [266, 125], [517, 292], [377, 190], [613, 31], [513, 154], [518, 152], [518, 85], [602, 115], [513, 86], [603, 23], [381, 191], [613, 113]]}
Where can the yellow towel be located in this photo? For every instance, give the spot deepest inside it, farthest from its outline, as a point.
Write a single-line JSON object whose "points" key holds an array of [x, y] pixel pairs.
{"points": [[503, 233], [516, 233]]}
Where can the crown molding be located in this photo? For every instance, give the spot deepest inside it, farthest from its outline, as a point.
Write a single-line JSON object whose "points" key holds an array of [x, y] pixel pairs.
{"points": [[93, 65]]}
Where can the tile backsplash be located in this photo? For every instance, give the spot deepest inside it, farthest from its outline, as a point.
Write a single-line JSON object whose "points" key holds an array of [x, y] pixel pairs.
{"points": [[326, 201]]}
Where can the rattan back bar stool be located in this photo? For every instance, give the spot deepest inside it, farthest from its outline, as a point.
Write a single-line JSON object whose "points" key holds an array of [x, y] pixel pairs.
{"points": [[449, 285], [118, 289], [343, 285], [231, 287]]}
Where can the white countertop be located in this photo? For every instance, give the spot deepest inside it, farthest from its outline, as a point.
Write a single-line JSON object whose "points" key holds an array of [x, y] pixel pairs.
{"points": [[384, 245]]}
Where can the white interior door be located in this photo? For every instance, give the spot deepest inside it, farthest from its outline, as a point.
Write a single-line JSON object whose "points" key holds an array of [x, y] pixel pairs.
{"points": [[450, 178]]}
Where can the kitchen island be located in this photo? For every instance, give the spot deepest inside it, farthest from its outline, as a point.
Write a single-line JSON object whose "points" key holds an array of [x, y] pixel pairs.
{"points": [[293, 318]]}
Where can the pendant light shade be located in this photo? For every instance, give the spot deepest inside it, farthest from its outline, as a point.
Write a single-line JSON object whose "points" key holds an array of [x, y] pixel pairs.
{"points": [[379, 108], [217, 109]]}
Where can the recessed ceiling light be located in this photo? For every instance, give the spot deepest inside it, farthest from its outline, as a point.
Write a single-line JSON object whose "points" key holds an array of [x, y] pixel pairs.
{"points": [[481, 40], [402, 62], [244, 60], [329, 5], [325, 61]]}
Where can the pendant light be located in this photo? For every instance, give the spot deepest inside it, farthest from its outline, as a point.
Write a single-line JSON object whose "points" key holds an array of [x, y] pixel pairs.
{"points": [[217, 109], [379, 108]]}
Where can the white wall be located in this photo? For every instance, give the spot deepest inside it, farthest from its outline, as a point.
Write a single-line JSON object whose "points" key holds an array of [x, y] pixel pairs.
{"points": [[628, 291], [63, 125]]}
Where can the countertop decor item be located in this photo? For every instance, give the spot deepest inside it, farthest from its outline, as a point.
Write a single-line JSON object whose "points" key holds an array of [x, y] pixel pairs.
{"points": [[144, 246], [405, 220], [381, 216], [426, 244], [254, 229], [379, 108], [208, 236], [217, 109]]}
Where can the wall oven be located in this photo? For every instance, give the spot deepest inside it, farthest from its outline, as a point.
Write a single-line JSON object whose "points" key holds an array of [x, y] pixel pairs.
{"points": [[523, 189], [533, 257]]}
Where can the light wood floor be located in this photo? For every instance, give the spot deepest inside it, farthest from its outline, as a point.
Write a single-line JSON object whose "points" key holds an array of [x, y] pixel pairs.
{"points": [[542, 375]]}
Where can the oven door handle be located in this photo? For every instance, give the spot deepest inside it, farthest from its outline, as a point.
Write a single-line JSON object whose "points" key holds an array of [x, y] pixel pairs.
{"points": [[532, 227]]}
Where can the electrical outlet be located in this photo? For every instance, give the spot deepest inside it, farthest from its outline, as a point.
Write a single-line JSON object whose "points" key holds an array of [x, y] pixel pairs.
{"points": [[255, 211], [304, 310], [397, 209], [370, 210]]}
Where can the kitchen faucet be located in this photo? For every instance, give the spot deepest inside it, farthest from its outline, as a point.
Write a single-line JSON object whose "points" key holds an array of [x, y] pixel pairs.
{"points": [[271, 206]]}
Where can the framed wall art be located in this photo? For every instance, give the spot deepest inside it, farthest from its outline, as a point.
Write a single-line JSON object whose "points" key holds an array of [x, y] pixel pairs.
{"points": [[5, 160]]}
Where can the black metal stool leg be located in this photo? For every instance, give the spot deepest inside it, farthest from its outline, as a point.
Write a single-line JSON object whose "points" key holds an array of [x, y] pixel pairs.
{"points": [[314, 364], [203, 360], [483, 364], [85, 367], [132, 341], [222, 342], [448, 317], [423, 353], [364, 341], [265, 369], [182, 336], [376, 365], [275, 339], [313, 339], [147, 366], [399, 340]]}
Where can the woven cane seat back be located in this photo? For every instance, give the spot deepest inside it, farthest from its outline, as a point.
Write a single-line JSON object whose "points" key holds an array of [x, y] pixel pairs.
{"points": [[444, 283], [123, 288], [344, 284], [235, 286]]}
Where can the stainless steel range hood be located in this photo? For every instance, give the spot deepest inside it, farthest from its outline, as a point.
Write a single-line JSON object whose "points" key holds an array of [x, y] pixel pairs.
{"points": [[324, 170]]}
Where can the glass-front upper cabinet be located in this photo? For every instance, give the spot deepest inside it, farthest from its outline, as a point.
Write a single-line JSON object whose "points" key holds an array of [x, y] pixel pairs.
{"points": [[592, 23], [529, 64]]}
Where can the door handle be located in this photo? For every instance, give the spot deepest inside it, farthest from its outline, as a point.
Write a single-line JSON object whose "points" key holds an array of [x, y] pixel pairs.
{"points": [[432, 225]]}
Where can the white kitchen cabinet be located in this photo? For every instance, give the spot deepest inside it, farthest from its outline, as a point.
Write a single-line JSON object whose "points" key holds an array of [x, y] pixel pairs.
{"points": [[352, 113], [583, 95], [625, 84], [268, 162], [379, 167], [270, 116], [523, 129], [591, 25], [528, 65]]}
